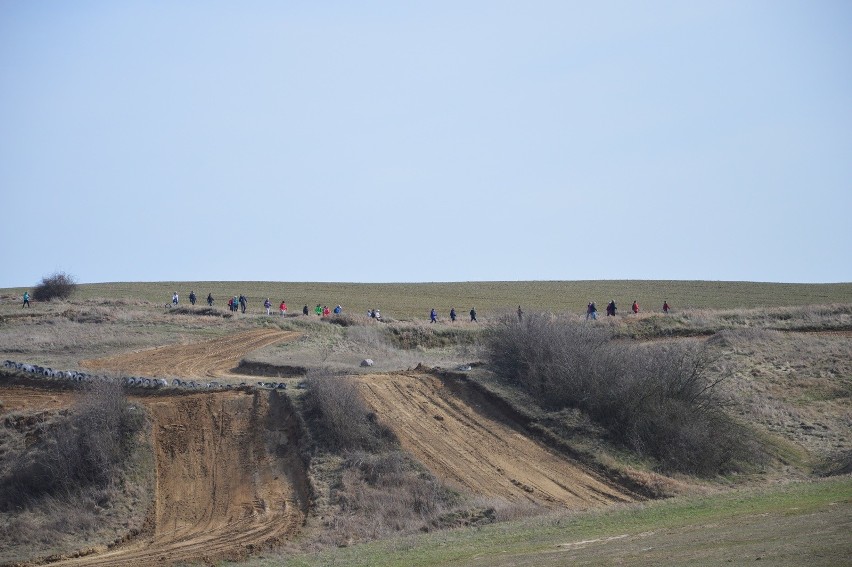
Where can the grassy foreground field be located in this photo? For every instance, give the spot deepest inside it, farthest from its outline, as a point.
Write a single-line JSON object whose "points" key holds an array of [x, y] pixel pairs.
{"points": [[793, 524], [414, 300]]}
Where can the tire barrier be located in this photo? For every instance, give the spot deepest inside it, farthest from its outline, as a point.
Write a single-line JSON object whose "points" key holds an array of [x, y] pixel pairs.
{"points": [[131, 382]]}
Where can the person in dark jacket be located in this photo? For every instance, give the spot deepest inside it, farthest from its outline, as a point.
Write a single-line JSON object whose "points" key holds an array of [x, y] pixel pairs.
{"points": [[453, 314], [210, 299], [473, 315], [591, 311]]}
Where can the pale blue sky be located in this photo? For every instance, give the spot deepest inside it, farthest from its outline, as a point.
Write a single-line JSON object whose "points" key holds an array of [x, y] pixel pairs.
{"points": [[426, 141]]}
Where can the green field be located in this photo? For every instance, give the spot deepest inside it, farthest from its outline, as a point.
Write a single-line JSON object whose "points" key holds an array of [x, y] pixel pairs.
{"points": [[793, 524], [414, 300]]}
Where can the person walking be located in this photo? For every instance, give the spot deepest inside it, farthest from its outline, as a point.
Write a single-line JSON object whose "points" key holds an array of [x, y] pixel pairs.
{"points": [[453, 314], [192, 297], [666, 307], [268, 305], [235, 304], [305, 309], [318, 310], [433, 316], [520, 314], [282, 308], [473, 314], [326, 311], [210, 300], [610, 308], [175, 299], [338, 309], [26, 300], [635, 308], [591, 311], [243, 303]]}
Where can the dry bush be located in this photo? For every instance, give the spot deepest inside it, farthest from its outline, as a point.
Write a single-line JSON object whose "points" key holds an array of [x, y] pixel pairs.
{"points": [[56, 286], [391, 491], [655, 399], [79, 450], [340, 416]]}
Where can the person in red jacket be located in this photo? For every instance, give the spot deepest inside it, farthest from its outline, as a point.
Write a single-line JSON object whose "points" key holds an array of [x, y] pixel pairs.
{"points": [[635, 308], [282, 308], [666, 307]]}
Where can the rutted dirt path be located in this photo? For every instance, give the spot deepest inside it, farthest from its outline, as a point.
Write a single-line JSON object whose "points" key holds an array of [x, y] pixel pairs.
{"points": [[209, 359], [229, 479], [451, 432]]}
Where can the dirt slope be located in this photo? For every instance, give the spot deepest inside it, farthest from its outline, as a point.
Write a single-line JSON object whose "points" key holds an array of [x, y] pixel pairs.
{"points": [[209, 359], [228, 476], [453, 435], [229, 479]]}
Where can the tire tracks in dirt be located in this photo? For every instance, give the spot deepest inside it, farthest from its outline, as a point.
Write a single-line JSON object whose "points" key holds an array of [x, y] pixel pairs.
{"points": [[465, 447], [229, 479], [214, 358]]}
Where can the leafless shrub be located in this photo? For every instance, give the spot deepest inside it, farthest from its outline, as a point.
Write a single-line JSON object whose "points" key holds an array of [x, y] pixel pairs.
{"points": [[78, 450], [657, 400], [56, 286], [390, 490], [340, 414]]}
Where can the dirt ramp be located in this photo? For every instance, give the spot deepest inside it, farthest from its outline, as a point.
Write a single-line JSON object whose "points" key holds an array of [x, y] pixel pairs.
{"points": [[229, 480], [464, 446], [207, 359]]}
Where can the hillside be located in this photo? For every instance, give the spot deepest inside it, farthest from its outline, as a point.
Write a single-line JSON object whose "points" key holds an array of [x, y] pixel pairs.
{"points": [[232, 460]]}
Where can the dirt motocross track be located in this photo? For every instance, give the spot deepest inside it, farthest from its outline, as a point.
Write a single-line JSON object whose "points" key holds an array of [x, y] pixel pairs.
{"points": [[450, 429], [209, 359], [229, 478]]}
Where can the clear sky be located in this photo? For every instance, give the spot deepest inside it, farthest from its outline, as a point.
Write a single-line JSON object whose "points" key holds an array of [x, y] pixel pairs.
{"points": [[426, 141]]}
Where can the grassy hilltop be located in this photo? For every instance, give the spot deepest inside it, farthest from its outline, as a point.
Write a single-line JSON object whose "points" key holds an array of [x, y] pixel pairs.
{"points": [[414, 300]]}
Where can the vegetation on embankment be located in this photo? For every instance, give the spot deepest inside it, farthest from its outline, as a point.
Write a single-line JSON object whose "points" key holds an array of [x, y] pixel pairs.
{"points": [[77, 474], [365, 486], [658, 400]]}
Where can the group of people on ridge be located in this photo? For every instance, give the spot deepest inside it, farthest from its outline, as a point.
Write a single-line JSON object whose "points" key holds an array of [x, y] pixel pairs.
{"points": [[433, 315], [592, 310], [240, 303]]}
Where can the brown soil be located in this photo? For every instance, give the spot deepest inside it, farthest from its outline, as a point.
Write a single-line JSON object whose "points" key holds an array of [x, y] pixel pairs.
{"points": [[16, 399], [229, 479], [215, 358], [456, 436], [220, 492]]}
